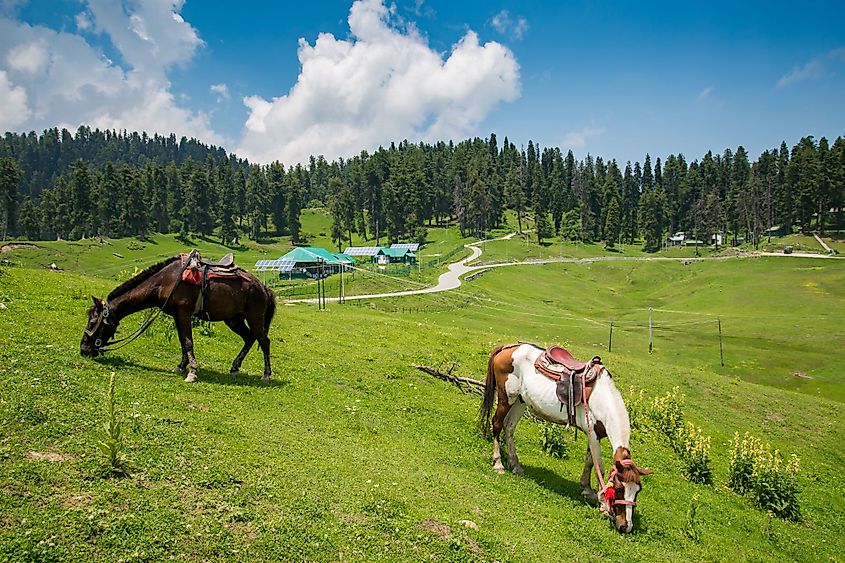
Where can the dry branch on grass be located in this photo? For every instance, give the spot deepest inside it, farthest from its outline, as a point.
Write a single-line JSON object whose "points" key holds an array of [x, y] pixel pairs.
{"points": [[465, 384]]}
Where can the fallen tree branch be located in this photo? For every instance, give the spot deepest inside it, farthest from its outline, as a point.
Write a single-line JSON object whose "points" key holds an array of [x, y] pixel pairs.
{"points": [[465, 384]]}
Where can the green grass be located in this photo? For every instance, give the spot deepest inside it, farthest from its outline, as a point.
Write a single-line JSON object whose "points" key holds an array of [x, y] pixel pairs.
{"points": [[351, 454], [799, 243]]}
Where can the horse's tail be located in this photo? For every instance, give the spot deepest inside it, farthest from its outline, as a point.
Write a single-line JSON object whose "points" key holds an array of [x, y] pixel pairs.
{"points": [[489, 393], [271, 309]]}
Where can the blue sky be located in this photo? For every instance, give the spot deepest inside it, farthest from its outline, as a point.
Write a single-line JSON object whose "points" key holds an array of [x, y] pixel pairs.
{"points": [[616, 79]]}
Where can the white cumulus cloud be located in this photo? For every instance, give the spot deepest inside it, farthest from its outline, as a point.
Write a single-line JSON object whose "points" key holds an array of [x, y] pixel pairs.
{"points": [[13, 106], [62, 80], [579, 139], [504, 24], [383, 83], [221, 90]]}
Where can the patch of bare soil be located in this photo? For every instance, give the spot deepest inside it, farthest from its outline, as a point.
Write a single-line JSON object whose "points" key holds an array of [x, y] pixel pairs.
{"points": [[49, 456], [76, 501], [802, 375], [438, 528], [8, 247], [353, 518]]}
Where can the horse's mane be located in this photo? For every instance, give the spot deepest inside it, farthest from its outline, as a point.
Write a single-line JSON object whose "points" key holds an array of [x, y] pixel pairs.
{"points": [[143, 276]]}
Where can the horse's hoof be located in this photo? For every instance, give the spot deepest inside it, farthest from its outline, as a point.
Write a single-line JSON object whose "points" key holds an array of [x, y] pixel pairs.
{"points": [[518, 470], [500, 469], [178, 370], [234, 373], [192, 378], [265, 380]]}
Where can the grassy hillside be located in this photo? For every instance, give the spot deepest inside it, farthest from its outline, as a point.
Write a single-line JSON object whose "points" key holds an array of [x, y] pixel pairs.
{"points": [[351, 454]]}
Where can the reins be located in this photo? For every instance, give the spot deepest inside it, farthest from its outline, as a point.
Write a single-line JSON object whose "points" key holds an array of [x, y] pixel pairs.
{"points": [[151, 317], [587, 418], [605, 487]]}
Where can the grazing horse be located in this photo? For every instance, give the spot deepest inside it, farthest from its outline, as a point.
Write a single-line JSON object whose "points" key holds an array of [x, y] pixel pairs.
{"points": [[241, 301], [514, 381]]}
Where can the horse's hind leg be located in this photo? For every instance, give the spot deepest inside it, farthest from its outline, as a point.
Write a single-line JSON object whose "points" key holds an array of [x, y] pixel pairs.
{"points": [[498, 423], [512, 418], [239, 327], [256, 326]]}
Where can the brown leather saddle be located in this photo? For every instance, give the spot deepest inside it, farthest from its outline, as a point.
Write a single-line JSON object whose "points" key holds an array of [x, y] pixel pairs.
{"points": [[198, 271], [574, 378]]}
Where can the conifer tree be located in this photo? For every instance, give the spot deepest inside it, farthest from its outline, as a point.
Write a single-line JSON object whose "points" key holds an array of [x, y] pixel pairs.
{"points": [[294, 199], [29, 222], [10, 177], [612, 224]]}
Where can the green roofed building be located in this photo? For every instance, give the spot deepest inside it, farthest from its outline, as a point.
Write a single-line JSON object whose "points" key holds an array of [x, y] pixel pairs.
{"points": [[403, 255], [382, 255], [308, 262]]}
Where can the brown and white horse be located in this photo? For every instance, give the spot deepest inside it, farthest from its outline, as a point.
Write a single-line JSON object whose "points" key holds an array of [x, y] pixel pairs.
{"points": [[513, 380]]}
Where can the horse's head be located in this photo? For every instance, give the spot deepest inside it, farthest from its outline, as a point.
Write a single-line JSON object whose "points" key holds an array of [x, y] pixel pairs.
{"points": [[623, 485], [99, 331]]}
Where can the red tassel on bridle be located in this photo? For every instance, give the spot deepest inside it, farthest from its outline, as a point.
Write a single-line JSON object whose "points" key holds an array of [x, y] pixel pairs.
{"points": [[610, 494]]}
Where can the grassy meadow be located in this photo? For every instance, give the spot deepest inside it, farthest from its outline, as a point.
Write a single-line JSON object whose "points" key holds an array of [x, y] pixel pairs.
{"points": [[350, 454]]}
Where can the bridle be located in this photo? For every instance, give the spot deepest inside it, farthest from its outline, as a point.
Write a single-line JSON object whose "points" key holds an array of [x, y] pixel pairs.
{"points": [[609, 490], [102, 318], [606, 488]]}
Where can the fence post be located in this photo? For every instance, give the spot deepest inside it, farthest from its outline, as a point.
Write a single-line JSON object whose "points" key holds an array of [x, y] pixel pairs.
{"points": [[610, 340], [721, 352], [650, 333]]}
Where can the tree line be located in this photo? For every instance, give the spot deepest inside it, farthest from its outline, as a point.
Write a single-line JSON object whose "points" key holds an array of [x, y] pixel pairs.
{"points": [[94, 188]]}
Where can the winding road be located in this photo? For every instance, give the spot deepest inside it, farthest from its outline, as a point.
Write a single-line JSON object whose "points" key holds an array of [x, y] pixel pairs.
{"points": [[452, 278]]}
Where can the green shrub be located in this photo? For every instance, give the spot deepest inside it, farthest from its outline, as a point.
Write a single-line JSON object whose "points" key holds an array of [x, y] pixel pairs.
{"points": [[775, 485], [553, 440], [637, 409], [758, 470], [696, 455], [741, 464], [666, 415]]}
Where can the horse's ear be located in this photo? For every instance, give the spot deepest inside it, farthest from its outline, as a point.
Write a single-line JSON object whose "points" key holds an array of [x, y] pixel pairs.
{"points": [[644, 471], [95, 300]]}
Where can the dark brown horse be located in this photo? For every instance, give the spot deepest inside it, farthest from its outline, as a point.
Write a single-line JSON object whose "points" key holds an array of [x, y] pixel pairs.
{"points": [[242, 302]]}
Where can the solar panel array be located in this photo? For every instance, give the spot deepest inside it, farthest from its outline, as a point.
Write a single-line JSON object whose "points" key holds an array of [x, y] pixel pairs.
{"points": [[274, 265], [286, 265], [413, 247], [362, 250]]}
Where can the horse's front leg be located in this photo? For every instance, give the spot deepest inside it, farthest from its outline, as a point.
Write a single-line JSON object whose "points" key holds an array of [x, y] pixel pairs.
{"points": [[586, 489], [184, 363], [186, 336], [593, 452]]}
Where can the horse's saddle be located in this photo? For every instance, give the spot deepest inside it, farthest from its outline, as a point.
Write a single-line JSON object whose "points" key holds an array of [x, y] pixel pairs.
{"points": [[198, 271], [574, 378], [224, 265]]}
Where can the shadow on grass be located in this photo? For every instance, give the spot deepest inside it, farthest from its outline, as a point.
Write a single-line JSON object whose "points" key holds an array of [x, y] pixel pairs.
{"points": [[554, 483], [204, 375]]}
